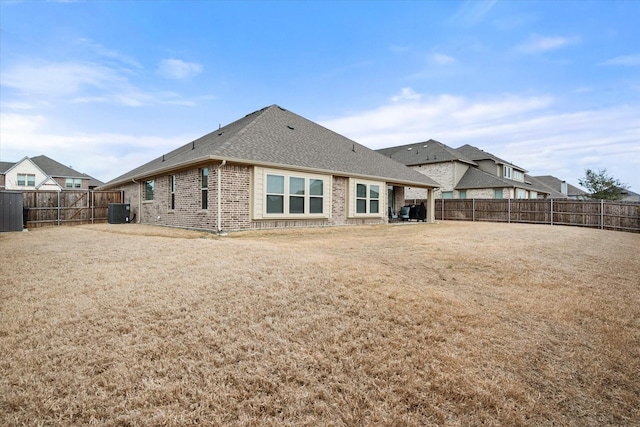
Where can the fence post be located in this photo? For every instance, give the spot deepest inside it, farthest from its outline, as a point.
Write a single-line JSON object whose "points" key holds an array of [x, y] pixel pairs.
{"points": [[58, 208], [93, 204], [442, 206], [601, 214], [509, 211], [551, 212], [473, 209]]}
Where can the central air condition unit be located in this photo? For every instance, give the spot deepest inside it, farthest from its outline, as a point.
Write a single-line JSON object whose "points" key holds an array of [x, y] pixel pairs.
{"points": [[119, 213]]}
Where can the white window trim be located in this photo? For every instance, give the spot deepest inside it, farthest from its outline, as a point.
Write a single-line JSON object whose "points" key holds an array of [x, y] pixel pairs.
{"points": [[352, 197], [260, 194]]}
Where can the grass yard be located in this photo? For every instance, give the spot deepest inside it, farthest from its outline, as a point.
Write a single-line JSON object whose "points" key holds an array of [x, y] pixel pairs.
{"points": [[454, 324]]}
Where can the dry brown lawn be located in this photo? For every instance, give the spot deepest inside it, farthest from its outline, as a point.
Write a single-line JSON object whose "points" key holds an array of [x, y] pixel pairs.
{"points": [[453, 324]]}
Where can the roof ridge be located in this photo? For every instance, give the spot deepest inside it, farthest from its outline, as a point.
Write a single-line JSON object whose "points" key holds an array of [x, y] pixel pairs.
{"points": [[246, 127]]}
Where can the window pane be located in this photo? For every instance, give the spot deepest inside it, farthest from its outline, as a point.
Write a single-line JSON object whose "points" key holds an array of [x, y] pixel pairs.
{"points": [[447, 194], [296, 185], [315, 205], [148, 190], [374, 191], [69, 182], [463, 195], [21, 179], [275, 204], [205, 178], [205, 199], [373, 206], [315, 187], [361, 206], [361, 190], [275, 184], [498, 194], [296, 205]]}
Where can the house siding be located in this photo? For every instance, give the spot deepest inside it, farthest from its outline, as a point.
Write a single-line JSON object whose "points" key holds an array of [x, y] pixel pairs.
{"points": [[443, 173]]}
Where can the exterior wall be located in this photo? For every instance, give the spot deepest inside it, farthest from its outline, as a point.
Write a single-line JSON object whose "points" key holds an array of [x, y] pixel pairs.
{"points": [[481, 193], [489, 166], [442, 173], [2, 180], [236, 202]]}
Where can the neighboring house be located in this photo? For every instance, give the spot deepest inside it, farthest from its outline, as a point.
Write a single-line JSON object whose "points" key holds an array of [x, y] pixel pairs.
{"points": [[43, 173], [465, 172], [630, 196], [562, 189], [270, 169]]}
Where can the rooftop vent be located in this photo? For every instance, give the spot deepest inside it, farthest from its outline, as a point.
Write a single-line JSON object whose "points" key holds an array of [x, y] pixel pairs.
{"points": [[410, 148], [290, 127]]}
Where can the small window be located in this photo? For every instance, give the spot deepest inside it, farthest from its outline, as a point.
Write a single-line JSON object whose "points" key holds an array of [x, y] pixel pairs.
{"points": [[447, 194], [462, 194], [172, 192], [498, 194], [507, 171], [204, 173], [361, 198], [148, 189], [316, 194], [275, 194], [296, 195], [26, 180], [374, 198], [73, 183], [521, 194]]}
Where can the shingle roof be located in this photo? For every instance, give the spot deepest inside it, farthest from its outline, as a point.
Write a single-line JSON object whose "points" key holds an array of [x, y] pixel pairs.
{"points": [[422, 153], [555, 183], [53, 169], [476, 178], [276, 137], [474, 153]]}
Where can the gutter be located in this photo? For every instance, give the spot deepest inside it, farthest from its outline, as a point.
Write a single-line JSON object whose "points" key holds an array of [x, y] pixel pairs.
{"points": [[139, 200], [219, 216]]}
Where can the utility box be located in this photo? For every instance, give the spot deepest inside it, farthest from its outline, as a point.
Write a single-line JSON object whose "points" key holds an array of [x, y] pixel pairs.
{"points": [[119, 213]]}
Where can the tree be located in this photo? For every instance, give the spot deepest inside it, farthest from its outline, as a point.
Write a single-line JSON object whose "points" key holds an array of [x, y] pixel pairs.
{"points": [[602, 186]]}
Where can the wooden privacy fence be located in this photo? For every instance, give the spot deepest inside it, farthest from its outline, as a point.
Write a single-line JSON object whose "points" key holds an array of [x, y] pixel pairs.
{"points": [[603, 214], [68, 207]]}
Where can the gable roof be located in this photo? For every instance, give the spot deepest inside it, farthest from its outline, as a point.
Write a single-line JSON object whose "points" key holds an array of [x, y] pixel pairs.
{"points": [[475, 178], [422, 153], [52, 168], [474, 153], [276, 137]]}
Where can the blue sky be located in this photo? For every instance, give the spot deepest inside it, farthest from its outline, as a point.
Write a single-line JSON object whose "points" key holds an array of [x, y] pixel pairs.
{"points": [[105, 86]]}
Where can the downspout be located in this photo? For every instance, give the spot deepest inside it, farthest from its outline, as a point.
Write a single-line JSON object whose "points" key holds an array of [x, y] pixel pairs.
{"points": [[219, 216], [139, 200]]}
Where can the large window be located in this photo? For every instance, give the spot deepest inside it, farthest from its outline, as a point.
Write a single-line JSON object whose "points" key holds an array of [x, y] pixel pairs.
{"points": [[172, 192], [294, 195], [148, 189], [204, 175], [26, 180], [521, 194], [73, 183]]}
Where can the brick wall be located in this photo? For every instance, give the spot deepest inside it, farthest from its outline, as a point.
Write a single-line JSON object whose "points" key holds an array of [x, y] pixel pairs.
{"points": [[235, 202]]}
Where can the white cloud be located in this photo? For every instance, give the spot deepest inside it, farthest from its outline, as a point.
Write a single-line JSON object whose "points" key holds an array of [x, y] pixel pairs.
{"points": [[539, 44], [177, 69], [526, 130], [442, 59], [406, 93], [626, 60], [472, 12]]}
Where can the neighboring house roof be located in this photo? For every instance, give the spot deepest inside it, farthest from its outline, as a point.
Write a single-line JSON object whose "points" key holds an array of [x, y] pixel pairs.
{"points": [[475, 178], [553, 193], [422, 153], [630, 196], [556, 184], [52, 168], [276, 137], [476, 154]]}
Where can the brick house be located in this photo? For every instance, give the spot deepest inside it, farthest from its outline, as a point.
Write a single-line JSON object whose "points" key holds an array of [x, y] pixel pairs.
{"points": [[42, 173], [270, 169], [465, 172]]}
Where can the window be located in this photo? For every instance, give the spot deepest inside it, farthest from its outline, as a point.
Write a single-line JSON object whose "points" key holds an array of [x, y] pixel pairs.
{"points": [[462, 194], [172, 192], [498, 193], [365, 199], [294, 195], [26, 180], [447, 194], [517, 175], [73, 183], [521, 194], [533, 194], [507, 171], [204, 175], [148, 189]]}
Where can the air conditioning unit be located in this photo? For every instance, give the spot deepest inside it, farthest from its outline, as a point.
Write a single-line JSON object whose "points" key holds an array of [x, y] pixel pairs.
{"points": [[119, 213]]}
